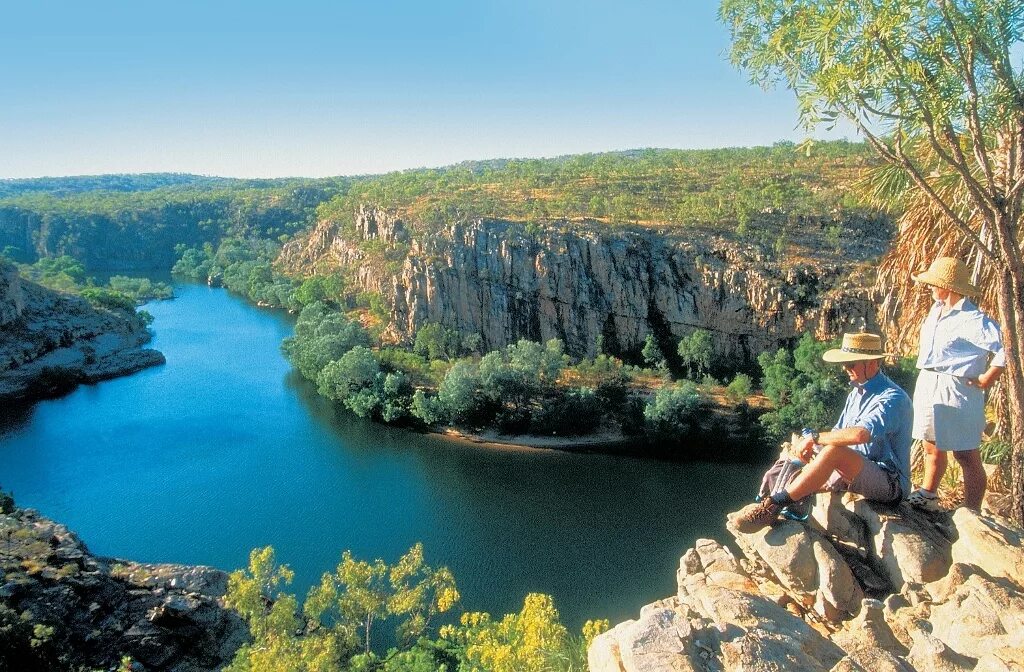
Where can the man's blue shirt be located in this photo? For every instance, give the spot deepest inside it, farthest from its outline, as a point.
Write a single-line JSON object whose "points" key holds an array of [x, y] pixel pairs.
{"points": [[882, 408]]}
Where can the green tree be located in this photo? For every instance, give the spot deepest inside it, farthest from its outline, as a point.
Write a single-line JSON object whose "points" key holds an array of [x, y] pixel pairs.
{"points": [[696, 352], [329, 288], [805, 391], [937, 89], [672, 412], [652, 354], [740, 388], [434, 341]]}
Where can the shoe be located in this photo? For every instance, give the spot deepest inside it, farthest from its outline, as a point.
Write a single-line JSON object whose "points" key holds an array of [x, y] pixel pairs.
{"points": [[754, 517], [924, 500]]}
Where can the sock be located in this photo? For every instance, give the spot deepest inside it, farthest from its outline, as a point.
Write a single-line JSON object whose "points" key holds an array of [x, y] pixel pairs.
{"points": [[782, 498]]}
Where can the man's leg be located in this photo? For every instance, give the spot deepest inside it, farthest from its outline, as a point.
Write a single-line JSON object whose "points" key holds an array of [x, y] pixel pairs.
{"points": [[846, 461], [975, 480]]}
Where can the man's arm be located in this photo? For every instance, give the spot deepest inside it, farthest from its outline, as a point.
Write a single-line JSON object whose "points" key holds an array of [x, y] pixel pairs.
{"points": [[848, 436]]}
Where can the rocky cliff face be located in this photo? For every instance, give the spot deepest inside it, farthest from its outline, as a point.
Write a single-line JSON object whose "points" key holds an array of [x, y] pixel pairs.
{"points": [[859, 588], [62, 608], [582, 283], [50, 341]]}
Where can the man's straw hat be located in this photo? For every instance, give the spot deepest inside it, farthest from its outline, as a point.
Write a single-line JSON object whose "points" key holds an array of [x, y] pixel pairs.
{"points": [[856, 348], [949, 273]]}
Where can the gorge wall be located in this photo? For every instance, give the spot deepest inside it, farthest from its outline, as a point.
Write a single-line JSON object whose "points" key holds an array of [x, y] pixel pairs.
{"points": [[585, 282]]}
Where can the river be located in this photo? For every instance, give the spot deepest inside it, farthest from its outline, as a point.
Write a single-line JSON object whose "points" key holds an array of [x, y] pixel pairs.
{"points": [[224, 449]]}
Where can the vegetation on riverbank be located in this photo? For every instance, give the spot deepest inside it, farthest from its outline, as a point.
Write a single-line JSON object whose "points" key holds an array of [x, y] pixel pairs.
{"points": [[338, 625]]}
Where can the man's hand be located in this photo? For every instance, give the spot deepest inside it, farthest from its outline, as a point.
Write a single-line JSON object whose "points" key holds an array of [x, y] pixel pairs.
{"points": [[803, 448]]}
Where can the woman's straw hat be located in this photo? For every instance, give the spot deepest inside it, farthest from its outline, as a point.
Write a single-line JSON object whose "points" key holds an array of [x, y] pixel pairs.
{"points": [[856, 348], [949, 273]]}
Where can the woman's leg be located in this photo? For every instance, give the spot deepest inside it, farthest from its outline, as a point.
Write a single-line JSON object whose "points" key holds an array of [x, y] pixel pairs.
{"points": [[975, 480], [935, 462]]}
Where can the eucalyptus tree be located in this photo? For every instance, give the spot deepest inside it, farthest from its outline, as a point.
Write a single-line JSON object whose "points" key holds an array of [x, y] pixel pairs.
{"points": [[936, 88]]}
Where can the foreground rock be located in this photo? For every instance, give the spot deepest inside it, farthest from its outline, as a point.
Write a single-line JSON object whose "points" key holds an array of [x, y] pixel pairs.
{"points": [[62, 608], [50, 341], [859, 588]]}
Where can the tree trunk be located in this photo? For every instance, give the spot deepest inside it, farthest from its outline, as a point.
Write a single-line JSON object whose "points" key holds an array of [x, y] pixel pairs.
{"points": [[1011, 313]]}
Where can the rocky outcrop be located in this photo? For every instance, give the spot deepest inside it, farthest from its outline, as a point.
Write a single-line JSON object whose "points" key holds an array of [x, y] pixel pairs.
{"points": [[859, 587], [51, 341], [64, 608], [583, 282]]}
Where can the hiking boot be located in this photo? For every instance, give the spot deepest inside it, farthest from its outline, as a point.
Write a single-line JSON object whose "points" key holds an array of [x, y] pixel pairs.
{"points": [[924, 500], [754, 517]]}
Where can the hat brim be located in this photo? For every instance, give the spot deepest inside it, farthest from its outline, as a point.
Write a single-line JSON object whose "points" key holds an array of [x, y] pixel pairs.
{"points": [[927, 279], [837, 356]]}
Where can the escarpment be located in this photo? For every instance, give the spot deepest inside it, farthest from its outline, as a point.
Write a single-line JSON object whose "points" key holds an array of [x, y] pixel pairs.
{"points": [[589, 284], [51, 341]]}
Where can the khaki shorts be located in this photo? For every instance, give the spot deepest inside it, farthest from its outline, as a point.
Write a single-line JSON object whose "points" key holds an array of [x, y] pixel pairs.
{"points": [[874, 482]]}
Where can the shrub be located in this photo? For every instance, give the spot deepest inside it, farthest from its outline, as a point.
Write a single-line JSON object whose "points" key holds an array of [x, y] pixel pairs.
{"points": [[672, 412]]}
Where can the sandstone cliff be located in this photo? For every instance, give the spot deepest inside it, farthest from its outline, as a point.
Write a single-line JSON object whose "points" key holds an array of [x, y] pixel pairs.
{"points": [[859, 588], [50, 341], [581, 282], [63, 608]]}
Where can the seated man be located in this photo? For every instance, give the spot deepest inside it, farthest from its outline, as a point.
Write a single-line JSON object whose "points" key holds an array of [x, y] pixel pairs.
{"points": [[868, 451]]}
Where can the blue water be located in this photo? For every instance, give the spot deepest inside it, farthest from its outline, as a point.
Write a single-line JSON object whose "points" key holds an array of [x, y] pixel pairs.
{"points": [[224, 449]]}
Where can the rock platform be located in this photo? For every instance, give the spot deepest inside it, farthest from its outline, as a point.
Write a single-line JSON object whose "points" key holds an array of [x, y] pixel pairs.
{"points": [[859, 587]]}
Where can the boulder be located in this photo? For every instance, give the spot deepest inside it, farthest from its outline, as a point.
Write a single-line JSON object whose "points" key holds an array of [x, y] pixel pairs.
{"points": [[906, 545], [930, 653], [807, 564], [989, 543], [981, 615]]}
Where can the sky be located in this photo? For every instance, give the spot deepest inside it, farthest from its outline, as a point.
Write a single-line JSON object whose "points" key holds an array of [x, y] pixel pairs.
{"points": [[304, 88]]}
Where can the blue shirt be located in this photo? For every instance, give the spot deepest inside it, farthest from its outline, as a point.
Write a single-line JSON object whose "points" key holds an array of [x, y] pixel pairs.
{"points": [[959, 342], [882, 408]]}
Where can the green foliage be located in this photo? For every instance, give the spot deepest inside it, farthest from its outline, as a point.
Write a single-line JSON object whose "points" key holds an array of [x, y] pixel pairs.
{"points": [[672, 412], [460, 394], [652, 354], [517, 378], [326, 288], [995, 451], [109, 299], [434, 341], [530, 641], [321, 336], [756, 189], [740, 388], [244, 266], [805, 390], [339, 614], [695, 352], [140, 289]]}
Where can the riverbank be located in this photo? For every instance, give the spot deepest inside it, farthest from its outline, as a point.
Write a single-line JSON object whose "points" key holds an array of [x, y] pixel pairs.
{"points": [[50, 342], [62, 607]]}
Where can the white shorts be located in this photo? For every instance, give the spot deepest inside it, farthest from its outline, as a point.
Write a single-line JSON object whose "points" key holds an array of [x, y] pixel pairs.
{"points": [[948, 412]]}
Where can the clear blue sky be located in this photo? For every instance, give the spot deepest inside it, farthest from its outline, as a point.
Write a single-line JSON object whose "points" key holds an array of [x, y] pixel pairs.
{"points": [[336, 88]]}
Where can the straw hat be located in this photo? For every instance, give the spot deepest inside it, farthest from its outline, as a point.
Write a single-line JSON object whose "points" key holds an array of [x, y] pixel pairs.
{"points": [[949, 273], [856, 348]]}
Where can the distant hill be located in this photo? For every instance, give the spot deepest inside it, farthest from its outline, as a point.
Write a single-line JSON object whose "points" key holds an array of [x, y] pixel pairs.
{"points": [[65, 186]]}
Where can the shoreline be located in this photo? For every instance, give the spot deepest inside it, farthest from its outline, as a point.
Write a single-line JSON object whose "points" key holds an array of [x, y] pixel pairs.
{"points": [[604, 442]]}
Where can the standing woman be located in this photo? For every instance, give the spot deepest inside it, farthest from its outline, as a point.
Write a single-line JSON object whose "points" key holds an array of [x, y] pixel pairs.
{"points": [[957, 340]]}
